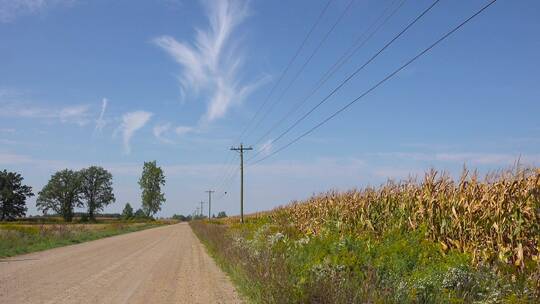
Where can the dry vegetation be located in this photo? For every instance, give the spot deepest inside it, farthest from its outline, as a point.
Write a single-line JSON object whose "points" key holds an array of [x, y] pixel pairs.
{"points": [[494, 218], [26, 237], [482, 234]]}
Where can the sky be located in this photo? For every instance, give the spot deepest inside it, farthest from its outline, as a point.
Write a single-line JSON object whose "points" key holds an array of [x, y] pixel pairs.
{"points": [[118, 83]]}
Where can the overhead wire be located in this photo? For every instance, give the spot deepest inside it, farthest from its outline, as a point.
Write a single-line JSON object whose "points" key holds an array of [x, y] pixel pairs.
{"points": [[352, 75], [303, 67], [389, 76], [223, 177], [285, 71], [345, 57]]}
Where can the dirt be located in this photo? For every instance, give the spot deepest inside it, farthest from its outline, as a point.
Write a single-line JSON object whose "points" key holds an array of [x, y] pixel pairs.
{"points": [[160, 265]]}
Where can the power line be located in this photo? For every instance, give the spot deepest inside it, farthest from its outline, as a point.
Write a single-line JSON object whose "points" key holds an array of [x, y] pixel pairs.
{"points": [[389, 76], [274, 87], [230, 174], [229, 181], [224, 168], [304, 65], [226, 172], [285, 71], [349, 53], [351, 76]]}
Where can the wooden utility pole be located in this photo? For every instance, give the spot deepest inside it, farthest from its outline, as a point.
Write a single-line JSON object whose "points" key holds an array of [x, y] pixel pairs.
{"points": [[241, 149], [209, 201], [202, 208]]}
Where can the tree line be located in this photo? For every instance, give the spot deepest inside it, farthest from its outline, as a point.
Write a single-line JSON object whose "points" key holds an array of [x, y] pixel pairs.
{"points": [[184, 218], [69, 189]]}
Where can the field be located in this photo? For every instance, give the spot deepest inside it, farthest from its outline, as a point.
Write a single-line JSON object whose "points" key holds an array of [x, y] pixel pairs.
{"points": [[29, 235], [435, 241]]}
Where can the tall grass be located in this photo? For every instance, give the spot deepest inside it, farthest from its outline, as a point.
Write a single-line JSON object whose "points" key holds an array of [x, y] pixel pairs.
{"points": [[17, 239]]}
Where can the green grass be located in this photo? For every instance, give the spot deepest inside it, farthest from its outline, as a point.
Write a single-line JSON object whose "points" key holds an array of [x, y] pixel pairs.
{"points": [[277, 264], [18, 239]]}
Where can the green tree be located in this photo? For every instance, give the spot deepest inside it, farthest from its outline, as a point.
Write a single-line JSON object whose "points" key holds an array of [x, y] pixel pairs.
{"points": [[96, 189], [13, 195], [221, 214], [127, 213], [179, 217], [61, 194], [139, 214], [151, 180]]}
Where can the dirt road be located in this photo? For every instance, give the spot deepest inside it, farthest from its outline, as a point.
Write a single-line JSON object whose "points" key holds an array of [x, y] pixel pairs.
{"points": [[160, 265]]}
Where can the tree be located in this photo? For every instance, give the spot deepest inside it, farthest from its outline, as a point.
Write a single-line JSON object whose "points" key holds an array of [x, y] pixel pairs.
{"points": [[13, 195], [61, 194], [96, 189], [128, 212], [139, 214], [179, 217], [221, 214], [151, 180]]}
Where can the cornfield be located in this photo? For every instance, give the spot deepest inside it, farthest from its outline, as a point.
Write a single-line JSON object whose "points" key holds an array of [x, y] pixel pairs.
{"points": [[494, 218]]}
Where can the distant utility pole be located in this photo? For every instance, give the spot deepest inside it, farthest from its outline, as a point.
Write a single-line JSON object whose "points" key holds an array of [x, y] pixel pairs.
{"points": [[209, 201], [202, 208], [241, 149]]}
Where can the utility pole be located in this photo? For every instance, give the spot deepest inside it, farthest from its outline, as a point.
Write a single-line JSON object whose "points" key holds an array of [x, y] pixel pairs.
{"points": [[241, 149], [202, 208], [209, 201]]}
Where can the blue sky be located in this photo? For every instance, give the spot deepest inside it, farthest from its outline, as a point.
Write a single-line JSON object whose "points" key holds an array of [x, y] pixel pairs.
{"points": [[117, 83]]}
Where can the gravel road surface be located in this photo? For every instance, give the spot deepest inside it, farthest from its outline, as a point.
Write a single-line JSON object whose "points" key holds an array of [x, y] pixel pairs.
{"points": [[160, 265]]}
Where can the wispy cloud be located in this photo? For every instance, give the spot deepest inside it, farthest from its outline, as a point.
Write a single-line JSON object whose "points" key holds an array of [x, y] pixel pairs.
{"points": [[11, 9], [164, 131], [320, 167], [131, 122], [74, 114], [473, 158], [266, 147], [13, 159], [478, 158], [7, 130], [78, 114], [182, 130], [211, 63], [101, 122], [160, 130]]}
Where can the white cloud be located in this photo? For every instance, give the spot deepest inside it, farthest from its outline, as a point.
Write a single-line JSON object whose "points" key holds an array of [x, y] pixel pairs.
{"points": [[211, 63], [473, 158], [131, 122], [162, 129], [74, 114], [78, 114], [7, 130], [182, 130], [11, 9], [13, 159], [266, 147], [477, 158], [325, 168], [100, 122], [159, 131]]}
